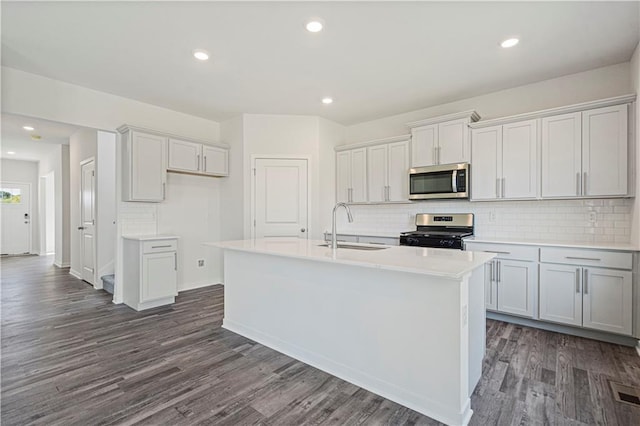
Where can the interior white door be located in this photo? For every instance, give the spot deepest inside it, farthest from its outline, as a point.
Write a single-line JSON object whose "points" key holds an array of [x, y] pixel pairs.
{"points": [[281, 197], [87, 220], [16, 218]]}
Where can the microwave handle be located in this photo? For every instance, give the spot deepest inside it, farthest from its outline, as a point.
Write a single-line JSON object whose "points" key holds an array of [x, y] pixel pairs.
{"points": [[454, 181]]}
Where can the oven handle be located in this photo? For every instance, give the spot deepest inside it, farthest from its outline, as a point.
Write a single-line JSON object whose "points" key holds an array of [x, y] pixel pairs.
{"points": [[454, 181]]}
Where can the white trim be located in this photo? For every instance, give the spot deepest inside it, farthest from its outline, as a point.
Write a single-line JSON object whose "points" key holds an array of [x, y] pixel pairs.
{"points": [[252, 179], [617, 100], [195, 286], [470, 114], [62, 265], [126, 127], [75, 274], [399, 138], [31, 197]]}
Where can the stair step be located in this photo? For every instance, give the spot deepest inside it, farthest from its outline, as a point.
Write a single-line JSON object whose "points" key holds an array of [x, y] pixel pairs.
{"points": [[108, 282]]}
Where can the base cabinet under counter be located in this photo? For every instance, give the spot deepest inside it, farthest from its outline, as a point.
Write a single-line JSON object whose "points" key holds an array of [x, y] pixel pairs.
{"points": [[150, 271]]}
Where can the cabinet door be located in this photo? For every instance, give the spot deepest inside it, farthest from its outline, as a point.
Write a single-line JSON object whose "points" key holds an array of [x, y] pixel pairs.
{"points": [[517, 287], [486, 146], [398, 179], [561, 293], [604, 151], [359, 175], [607, 300], [453, 142], [148, 167], [424, 142], [377, 173], [519, 160], [561, 156], [490, 288], [215, 161], [343, 176], [184, 156], [158, 276]]}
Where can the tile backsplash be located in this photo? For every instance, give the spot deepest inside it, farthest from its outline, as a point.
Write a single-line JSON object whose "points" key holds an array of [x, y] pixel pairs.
{"points": [[138, 218], [593, 220]]}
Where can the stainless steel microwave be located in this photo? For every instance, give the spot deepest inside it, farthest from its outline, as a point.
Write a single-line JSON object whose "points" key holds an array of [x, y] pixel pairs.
{"points": [[442, 181]]}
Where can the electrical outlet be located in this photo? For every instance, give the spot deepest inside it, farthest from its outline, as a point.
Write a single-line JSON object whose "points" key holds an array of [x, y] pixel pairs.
{"points": [[200, 263], [492, 216], [593, 218]]}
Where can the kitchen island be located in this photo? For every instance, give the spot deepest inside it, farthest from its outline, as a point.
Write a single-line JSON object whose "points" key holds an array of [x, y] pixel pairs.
{"points": [[406, 323]]}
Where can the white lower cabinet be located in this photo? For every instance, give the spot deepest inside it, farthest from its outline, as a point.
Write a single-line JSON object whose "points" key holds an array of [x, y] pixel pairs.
{"points": [[591, 297], [150, 271], [511, 287]]}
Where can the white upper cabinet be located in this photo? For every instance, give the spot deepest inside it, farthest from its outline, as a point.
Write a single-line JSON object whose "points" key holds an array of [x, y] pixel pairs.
{"points": [[184, 156], [215, 160], [441, 140], [561, 155], [604, 151], [486, 171], [351, 176], [424, 143], [519, 160], [144, 166], [398, 169], [377, 172]]}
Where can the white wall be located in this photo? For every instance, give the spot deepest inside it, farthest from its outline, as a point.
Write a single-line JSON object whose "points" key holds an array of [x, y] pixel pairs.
{"points": [[82, 145], [57, 161], [25, 172], [635, 83], [330, 135], [575, 88], [48, 200], [106, 202], [192, 210]]}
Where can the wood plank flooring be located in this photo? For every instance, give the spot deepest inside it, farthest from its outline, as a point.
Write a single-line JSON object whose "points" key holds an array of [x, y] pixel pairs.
{"points": [[71, 357]]}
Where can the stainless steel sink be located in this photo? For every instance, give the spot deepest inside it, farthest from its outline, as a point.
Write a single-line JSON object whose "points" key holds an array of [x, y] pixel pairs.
{"points": [[352, 247]]}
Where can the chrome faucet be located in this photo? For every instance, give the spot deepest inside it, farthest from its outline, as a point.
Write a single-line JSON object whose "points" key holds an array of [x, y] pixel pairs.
{"points": [[334, 237]]}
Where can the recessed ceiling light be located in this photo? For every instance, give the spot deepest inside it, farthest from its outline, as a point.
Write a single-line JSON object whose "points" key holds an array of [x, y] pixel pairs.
{"points": [[510, 42], [314, 26], [11, 152], [28, 128], [201, 55], [327, 101]]}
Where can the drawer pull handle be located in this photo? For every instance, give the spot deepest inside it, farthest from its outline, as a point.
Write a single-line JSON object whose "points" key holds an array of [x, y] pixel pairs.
{"points": [[585, 279], [577, 280], [498, 252], [373, 242], [595, 259], [168, 245]]}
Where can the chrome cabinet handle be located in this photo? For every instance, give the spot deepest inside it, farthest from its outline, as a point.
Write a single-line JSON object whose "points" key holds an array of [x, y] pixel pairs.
{"points": [[578, 183], [204, 169], [80, 228], [583, 258], [166, 246], [175, 261], [498, 277], [438, 152], [497, 187], [491, 272], [585, 275], [577, 280], [504, 181], [198, 160]]}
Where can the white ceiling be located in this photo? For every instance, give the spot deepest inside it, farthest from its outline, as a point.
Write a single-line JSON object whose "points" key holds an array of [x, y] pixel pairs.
{"points": [[18, 140], [375, 59]]}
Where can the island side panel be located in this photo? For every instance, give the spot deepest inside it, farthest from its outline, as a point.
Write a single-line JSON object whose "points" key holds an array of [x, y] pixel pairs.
{"points": [[400, 335]]}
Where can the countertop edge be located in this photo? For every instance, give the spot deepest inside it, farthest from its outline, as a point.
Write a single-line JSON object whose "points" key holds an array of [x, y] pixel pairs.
{"points": [[587, 246]]}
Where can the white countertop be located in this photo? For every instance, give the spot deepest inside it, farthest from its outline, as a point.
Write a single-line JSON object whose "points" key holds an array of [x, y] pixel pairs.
{"points": [[428, 261], [547, 243], [368, 234], [150, 237]]}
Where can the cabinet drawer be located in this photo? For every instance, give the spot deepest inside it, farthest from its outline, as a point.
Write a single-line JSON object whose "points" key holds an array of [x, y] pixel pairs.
{"points": [[506, 251], [159, 246], [600, 258]]}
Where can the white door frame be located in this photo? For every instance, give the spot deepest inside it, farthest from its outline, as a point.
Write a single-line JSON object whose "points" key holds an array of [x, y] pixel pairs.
{"points": [[255, 157], [7, 183], [95, 237]]}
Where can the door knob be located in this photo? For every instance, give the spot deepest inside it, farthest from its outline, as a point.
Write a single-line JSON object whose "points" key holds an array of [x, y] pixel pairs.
{"points": [[302, 230], [80, 228]]}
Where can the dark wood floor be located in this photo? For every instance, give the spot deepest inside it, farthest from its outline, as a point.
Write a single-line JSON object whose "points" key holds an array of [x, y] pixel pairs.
{"points": [[71, 357]]}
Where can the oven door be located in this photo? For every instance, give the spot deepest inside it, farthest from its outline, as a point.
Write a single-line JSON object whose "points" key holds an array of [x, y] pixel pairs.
{"points": [[433, 182]]}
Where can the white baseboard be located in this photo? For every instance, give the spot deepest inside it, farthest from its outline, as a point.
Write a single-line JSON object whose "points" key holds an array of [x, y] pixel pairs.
{"points": [[75, 274], [638, 348], [193, 286], [62, 265]]}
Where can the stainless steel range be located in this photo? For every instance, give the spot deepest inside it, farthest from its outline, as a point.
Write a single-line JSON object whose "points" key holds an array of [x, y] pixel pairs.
{"points": [[439, 230]]}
